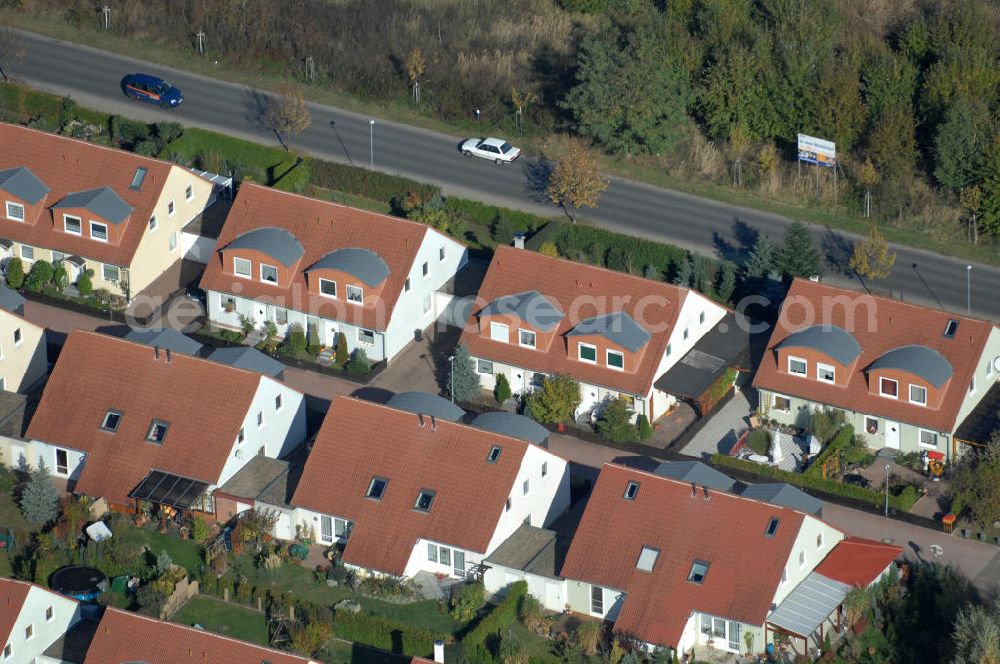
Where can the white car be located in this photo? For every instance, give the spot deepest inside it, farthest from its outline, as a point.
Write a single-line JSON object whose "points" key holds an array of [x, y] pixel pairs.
{"points": [[495, 149]]}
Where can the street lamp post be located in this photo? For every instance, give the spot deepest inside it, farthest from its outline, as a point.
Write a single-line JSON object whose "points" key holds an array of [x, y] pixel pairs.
{"points": [[968, 289], [451, 376], [887, 491], [371, 144]]}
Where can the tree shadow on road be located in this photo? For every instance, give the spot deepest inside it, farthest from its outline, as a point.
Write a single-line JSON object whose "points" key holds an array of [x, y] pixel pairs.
{"points": [[837, 251], [536, 173], [738, 252]]}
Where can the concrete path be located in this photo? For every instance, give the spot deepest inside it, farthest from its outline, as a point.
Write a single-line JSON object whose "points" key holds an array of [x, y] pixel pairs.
{"points": [[724, 428]]}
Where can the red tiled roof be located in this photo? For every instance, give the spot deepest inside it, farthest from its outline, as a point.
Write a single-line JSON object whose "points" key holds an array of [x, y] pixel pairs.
{"points": [[129, 637], [360, 440], [516, 271], [725, 531], [12, 596], [204, 403], [897, 324], [68, 165], [857, 561], [320, 227]]}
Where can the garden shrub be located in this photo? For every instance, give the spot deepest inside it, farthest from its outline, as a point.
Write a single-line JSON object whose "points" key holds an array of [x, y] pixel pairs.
{"points": [[361, 181], [531, 613], [295, 338], [313, 340], [15, 273], [39, 276], [341, 356], [615, 422], [502, 615], [644, 427], [395, 637], [588, 636], [359, 362], [595, 245], [475, 212], [502, 389], [467, 603], [85, 283], [843, 440], [760, 441]]}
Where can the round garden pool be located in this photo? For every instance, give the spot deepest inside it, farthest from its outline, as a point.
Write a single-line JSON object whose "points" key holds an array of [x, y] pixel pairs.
{"points": [[79, 582]]}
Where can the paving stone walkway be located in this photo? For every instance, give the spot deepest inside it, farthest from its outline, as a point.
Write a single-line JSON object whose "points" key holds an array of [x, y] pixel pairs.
{"points": [[725, 427]]}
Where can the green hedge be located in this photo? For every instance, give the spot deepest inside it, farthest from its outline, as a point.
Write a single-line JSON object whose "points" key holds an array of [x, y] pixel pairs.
{"points": [[502, 616], [474, 212], [841, 441], [617, 251], [383, 633], [371, 184], [292, 175], [903, 502]]}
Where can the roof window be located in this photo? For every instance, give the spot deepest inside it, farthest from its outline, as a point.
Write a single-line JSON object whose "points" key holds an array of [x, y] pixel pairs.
{"points": [[647, 558], [951, 328], [138, 178], [424, 500], [111, 420], [494, 454], [376, 488], [772, 527], [699, 570], [631, 490], [157, 431]]}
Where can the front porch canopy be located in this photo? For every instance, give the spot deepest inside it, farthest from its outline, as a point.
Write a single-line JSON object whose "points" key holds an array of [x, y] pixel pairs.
{"points": [[168, 489], [809, 605]]}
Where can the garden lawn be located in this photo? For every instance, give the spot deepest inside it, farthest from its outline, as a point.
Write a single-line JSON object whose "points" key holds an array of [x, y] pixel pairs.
{"points": [[345, 652], [182, 552], [352, 200], [291, 579], [223, 618], [425, 614]]}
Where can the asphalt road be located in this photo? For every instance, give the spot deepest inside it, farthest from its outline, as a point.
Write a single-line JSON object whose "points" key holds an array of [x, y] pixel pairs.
{"points": [[93, 78]]}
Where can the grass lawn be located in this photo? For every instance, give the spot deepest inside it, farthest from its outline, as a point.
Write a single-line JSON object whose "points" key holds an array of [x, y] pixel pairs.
{"points": [[420, 614], [182, 552], [223, 618], [352, 200], [345, 652], [291, 579], [11, 517], [194, 141]]}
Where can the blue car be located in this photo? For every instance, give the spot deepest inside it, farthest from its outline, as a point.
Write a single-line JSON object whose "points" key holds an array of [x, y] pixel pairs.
{"points": [[152, 90]]}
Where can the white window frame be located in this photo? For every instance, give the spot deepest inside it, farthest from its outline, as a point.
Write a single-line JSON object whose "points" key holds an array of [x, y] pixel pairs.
{"points": [[882, 393], [171, 208], [805, 369], [774, 398], [579, 355], [56, 261], [153, 224], [189, 193], [29, 632], [261, 422], [279, 403], [104, 272], [172, 246], [1, 351], [328, 281], [426, 269], [369, 344], [820, 367], [972, 385], [427, 303], [989, 368], [479, 367], [910, 394], [494, 330], [353, 290], [520, 339], [55, 465], [545, 469], [107, 231], [249, 274], [441, 255], [29, 248], [819, 540], [920, 439], [18, 337], [406, 285], [66, 219], [870, 419], [526, 487], [607, 359], [802, 558], [50, 614], [261, 272], [11, 205]]}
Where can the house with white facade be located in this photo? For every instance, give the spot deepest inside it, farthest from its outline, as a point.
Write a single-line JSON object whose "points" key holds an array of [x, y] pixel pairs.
{"points": [[93, 208], [333, 269], [908, 377], [615, 333], [23, 350], [127, 422], [408, 492], [32, 618], [678, 565]]}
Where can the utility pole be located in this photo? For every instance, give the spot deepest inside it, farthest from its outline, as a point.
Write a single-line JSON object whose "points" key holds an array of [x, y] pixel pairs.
{"points": [[371, 145], [310, 69], [201, 42], [106, 17], [968, 289], [451, 359], [887, 491]]}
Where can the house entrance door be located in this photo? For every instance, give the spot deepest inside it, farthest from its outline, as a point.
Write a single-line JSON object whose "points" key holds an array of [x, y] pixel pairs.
{"points": [[892, 434], [18, 456]]}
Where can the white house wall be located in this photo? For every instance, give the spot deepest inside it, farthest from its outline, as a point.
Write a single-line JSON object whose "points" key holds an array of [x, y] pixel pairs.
{"points": [[688, 318], [65, 613], [550, 592], [34, 450], [197, 248], [985, 375], [806, 542]]}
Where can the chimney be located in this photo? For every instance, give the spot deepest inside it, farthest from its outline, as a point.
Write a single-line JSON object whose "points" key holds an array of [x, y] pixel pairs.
{"points": [[420, 417], [434, 425], [439, 651], [518, 240], [168, 355], [156, 352], [705, 489], [694, 490]]}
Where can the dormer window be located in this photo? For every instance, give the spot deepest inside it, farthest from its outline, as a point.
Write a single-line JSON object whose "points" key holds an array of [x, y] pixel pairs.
{"points": [[111, 421], [499, 332], [825, 373], [526, 338], [699, 570], [631, 491], [951, 328], [587, 353], [327, 288], [887, 387], [616, 360], [424, 500], [797, 366], [242, 267], [15, 211], [72, 225], [99, 231], [918, 395], [494, 454], [138, 178], [647, 559], [355, 294], [772, 527], [157, 431], [376, 488], [268, 273]]}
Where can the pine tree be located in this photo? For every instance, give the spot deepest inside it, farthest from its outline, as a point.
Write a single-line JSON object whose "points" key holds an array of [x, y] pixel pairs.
{"points": [[464, 380], [40, 500], [761, 260], [800, 256], [685, 272], [959, 143], [727, 282], [502, 390], [991, 188]]}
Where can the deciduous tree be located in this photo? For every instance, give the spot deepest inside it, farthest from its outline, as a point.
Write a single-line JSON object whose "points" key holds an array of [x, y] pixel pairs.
{"points": [[991, 187], [416, 65], [872, 257], [288, 114], [555, 401], [869, 178], [892, 143], [576, 180], [959, 144], [976, 485], [977, 635], [971, 199]]}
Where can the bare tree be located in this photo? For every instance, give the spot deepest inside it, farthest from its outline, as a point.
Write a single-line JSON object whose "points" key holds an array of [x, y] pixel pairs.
{"points": [[739, 145], [416, 65], [287, 114], [972, 200], [11, 49], [520, 100]]}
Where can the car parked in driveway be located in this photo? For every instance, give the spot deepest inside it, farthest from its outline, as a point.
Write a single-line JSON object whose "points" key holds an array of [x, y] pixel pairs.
{"points": [[494, 149], [152, 90]]}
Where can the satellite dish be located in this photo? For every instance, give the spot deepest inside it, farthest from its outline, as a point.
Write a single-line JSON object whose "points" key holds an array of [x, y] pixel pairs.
{"points": [[996, 363]]}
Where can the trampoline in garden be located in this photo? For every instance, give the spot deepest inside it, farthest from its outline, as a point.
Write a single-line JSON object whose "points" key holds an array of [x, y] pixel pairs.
{"points": [[79, 582]]}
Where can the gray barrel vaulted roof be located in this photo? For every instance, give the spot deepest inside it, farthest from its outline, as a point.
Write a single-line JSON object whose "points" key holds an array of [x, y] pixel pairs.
{"points": [[425, 403], [530, 306], [832, 341], [102, 201], [364, 264], [24, 184], [697, 473], [515, 426], [785, 495], [619, 328], [277, 243], [918, 360], [251, 359]]}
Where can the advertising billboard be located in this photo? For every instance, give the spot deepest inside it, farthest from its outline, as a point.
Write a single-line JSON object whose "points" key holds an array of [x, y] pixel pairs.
{"points": [[817, 151]]}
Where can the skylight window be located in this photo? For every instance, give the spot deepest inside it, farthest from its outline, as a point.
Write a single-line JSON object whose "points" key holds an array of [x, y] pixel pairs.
{"points": [[951, 328], [699, 569], [111, 420], [157, 431], [494, 454], [376, 488], [772, 527], [631, 490], [138, 178], [424, 500], [647, 559]]}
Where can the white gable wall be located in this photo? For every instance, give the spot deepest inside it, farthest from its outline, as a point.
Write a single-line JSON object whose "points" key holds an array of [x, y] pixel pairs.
{"points": [[65, 613], [812, 533]]}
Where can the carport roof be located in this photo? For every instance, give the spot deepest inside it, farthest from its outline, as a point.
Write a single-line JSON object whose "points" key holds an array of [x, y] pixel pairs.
{"points": [[725, 345], [809, 604], [534, 550]]}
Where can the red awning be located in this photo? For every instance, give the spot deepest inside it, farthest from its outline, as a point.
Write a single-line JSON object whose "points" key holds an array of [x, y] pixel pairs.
{"points": [[936, 456]]}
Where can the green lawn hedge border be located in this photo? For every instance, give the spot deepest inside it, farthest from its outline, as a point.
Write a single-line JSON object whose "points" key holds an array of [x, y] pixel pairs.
{"points": [[383, 633], [841, 441], [501, 617]]}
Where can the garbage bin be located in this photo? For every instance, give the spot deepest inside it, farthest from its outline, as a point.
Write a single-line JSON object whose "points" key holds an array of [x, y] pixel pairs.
{"points": [[119, 584], [418, 335]]}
